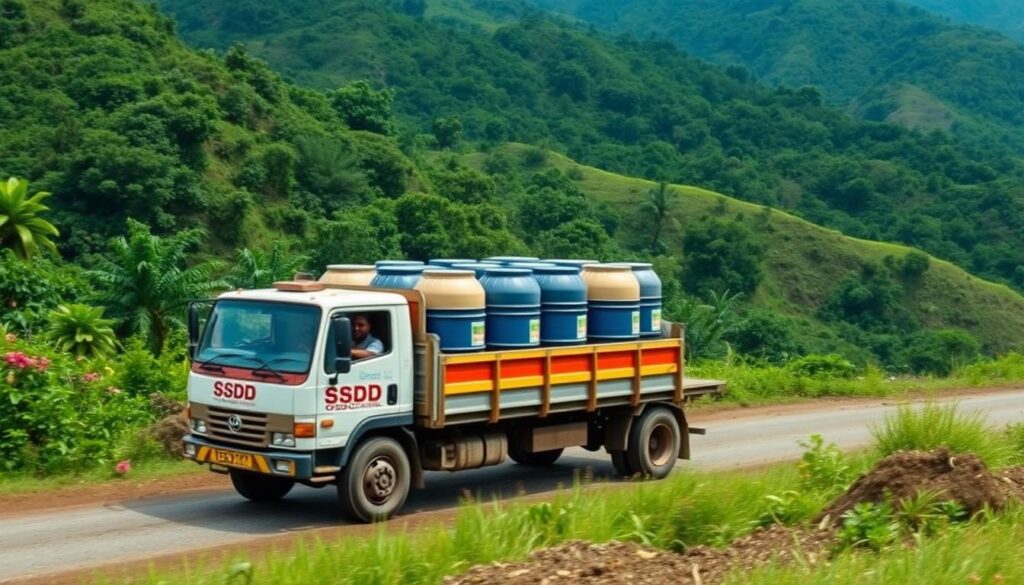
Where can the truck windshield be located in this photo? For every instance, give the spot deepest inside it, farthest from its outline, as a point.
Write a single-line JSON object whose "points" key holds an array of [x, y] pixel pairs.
{"points": [[256, 334]]}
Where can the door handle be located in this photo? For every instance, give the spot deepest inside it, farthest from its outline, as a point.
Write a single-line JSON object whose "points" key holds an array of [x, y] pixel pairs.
{"points": [[392, 394]]}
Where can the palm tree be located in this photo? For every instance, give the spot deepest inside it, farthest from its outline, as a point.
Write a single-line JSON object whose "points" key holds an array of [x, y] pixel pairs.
{"points": [[82, 330], [659, 202], [146, 281], [259, 269], [21, 229]]}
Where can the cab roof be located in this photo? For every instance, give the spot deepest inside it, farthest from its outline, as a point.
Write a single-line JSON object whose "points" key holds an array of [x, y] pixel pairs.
{"points": [[327, 298]]}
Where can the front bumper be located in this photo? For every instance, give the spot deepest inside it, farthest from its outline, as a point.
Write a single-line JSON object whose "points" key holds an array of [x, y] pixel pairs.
{"points": [[297, 466]]}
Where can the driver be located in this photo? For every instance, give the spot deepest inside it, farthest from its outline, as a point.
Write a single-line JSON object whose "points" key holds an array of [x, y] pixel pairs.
{"points": [[364, 344]]}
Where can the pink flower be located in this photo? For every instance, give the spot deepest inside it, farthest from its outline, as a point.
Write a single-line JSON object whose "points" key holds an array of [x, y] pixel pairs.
{"points": [[18, 359], [10, 338], [42, 364], [91, 377], [123, 467]]}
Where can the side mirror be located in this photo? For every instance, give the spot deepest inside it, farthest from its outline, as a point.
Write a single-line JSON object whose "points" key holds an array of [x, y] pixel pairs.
{"points": [[193, 330], [341, 331]]}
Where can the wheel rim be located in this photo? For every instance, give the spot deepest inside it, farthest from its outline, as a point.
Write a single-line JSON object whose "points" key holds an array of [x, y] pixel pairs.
{"points": [[659, 445], [379, 480]]}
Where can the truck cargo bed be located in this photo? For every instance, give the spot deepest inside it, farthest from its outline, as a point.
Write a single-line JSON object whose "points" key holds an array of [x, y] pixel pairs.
{"points": [[490, 386]]}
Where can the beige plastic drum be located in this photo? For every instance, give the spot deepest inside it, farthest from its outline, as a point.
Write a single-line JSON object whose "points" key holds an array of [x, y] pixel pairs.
{"points": [[610, 282], [348, 274], [451, 289]]}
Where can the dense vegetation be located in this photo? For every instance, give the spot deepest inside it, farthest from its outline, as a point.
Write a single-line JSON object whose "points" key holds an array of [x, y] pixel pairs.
{"points": [[1006, 16], [887, 60], [645, 109]]}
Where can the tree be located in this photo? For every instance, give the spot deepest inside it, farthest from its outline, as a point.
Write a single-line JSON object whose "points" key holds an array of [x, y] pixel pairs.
{"points": [[939, 351], [255, 268], [82, 330], [707, 324], [364, 108], [720, 255], [447, 131], [765, 335], [21, 230], [146, 282], [659, 203]]}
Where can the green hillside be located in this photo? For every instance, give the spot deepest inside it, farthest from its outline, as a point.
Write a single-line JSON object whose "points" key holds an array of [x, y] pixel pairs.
{"points": [[1005, 16], [854, 52], [805, 264], [646, 109]]}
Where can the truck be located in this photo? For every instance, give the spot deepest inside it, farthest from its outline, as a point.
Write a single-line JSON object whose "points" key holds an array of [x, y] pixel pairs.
{"points": [[276, 398]]}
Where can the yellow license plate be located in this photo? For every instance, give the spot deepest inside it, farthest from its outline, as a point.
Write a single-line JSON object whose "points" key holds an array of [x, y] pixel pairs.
{"points": [[231, 458]]}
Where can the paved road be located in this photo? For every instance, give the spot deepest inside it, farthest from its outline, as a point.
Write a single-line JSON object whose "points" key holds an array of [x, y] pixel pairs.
{"points": [[78, 538]]}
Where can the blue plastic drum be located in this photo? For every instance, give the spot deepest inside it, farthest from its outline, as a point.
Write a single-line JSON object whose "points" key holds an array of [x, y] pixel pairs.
{"points": [[478, 268], [563, 305], [399, 276], [449, 262], [650, 298], [513, 308]]}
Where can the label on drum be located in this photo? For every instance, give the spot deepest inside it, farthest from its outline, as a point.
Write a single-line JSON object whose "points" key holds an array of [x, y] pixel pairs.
{"points": [[656, 319], [477, 332], [581, 326], [534, 330], [636, 322]]}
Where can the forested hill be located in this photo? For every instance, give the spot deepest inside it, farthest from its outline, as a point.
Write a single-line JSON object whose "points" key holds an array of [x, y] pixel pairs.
{"points": [[107, 109], [646, 109], [883, 59], [1006, 16]]}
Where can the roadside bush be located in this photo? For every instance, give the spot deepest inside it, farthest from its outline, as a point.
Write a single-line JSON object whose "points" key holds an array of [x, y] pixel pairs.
{"points": [[939, 352], [58, 413], [822, 366]]}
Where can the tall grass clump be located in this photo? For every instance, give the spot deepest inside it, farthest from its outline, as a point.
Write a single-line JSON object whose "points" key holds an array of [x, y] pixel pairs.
{"points": [[933, 425]]}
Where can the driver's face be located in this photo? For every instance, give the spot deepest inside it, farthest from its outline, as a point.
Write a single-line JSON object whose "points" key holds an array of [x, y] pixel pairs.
{"points": [[360, 328]]}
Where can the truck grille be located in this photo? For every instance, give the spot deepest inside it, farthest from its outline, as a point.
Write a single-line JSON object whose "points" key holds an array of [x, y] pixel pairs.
{"points": [[252, 430]]}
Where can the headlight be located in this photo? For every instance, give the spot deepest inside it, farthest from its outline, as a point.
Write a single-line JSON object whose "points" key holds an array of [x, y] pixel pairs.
{"points": [[197, 425], [282, 439]]}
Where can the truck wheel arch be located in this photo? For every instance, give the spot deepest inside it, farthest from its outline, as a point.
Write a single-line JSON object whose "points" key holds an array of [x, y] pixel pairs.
{"points": [[394, 426], [619, 426]]}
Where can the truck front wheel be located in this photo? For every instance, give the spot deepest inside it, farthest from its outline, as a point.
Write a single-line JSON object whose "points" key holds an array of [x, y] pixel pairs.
{"points": [[374, 484], [260, 488], [654, 443]]}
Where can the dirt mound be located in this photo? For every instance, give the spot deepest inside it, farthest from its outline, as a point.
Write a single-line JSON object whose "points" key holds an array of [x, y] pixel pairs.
{"points": [[963, 478], [615, 563]]}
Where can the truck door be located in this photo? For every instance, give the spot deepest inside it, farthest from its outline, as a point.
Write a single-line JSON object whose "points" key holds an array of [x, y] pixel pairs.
{"points": [[370, 389]]}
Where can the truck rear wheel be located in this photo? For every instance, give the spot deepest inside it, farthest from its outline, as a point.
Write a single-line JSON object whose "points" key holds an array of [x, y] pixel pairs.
{"points": [[538, 459], [260, 488], [375, 483], [654, 443]]}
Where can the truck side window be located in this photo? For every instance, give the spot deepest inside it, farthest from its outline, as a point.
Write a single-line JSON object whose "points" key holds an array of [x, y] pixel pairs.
{"points": [[370, 334]]}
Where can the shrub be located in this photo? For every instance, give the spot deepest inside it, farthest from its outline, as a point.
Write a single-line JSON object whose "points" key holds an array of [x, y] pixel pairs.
{"points": [[824, 467], [823, 366], [939, 352]]}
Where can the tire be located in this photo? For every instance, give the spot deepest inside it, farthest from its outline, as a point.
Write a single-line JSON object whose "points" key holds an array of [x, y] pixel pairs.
{"points": [[376, 481], [538, 459], [257, 487], [621, 464], [654, 443]]}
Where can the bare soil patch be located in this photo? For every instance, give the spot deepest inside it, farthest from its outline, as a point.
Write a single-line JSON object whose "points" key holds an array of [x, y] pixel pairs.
{"points": [[963, 478]]}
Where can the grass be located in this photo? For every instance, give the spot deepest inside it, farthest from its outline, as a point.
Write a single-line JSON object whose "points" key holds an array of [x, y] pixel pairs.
{"points": [[972, 553], [757, 384], [19, 483], [683, 510], [933, 425]]}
